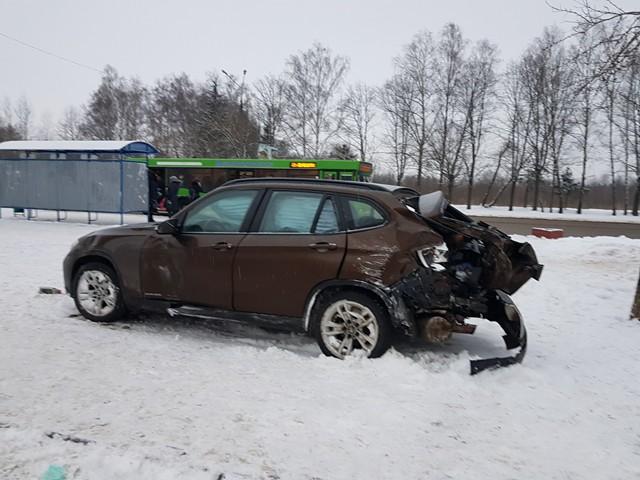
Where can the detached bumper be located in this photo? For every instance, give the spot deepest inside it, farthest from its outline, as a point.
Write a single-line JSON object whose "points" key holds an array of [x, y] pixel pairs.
{"points": [[503, 311]]}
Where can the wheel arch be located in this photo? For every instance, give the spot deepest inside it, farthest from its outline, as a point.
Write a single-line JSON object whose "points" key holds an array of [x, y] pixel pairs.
{"points": [[401, 318]]}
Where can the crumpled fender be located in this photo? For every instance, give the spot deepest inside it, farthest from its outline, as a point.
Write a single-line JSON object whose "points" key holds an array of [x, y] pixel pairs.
{"points": [[503, 311]]}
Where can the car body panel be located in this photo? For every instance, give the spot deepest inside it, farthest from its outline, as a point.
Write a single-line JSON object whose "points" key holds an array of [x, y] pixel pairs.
{"points": [[190, 268], [274, 273]]}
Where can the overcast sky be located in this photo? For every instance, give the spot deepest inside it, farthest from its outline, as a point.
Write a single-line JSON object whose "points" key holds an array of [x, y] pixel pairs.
{"points": [[152, 38]]}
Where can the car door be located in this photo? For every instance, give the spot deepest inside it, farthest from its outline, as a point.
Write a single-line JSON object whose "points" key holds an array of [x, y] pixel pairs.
{"points": [[194, 266], [295, 243]]}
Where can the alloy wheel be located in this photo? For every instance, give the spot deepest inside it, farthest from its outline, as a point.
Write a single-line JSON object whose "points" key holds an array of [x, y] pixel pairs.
{"points": [[97, 293], [348, 327]]}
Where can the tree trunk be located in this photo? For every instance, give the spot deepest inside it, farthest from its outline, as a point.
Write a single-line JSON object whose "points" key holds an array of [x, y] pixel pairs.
{"points": [[613, 170], [635, 309], [512, 194], [583, 178], [536, 189], [470, 184], [451, 182], [611, 156], [420, 167], [636, 198]]}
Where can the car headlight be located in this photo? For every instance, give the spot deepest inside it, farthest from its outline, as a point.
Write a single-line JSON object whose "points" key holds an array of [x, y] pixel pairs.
{"points": [[434, 257]]}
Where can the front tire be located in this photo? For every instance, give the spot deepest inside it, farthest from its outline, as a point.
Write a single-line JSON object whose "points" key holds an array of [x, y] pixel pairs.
{"points": [[351, 324], [97, 294]]}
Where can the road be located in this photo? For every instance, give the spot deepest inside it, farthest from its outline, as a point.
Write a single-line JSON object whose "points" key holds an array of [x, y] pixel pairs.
{"points": [[572, 228]]}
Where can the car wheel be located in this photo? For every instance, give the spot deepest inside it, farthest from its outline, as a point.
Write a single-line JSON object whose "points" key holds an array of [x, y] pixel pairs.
{"points": [[351, 324], [97, 293]]}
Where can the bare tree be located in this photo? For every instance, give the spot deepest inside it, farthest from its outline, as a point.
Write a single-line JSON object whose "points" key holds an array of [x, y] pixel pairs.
{"points": [[6, 111], [447, 140], [69, 125], [586, 109], [630, 125], [610, 86], [8, 131], [131, 98], [23, 112], [172, 114], [101, 113], [413, 89], [396, 136], [623, 32], [546, 76], [46, 127], [313, 80], [357, 114], [479, 91], [517, 127], [269, 102], [225, 125]]}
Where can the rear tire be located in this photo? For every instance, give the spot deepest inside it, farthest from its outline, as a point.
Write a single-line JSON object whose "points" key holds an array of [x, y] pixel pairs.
{"points": [[97, 294], [351, 324]]}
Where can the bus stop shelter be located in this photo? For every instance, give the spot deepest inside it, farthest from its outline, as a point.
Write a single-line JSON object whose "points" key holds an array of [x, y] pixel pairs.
{"points": [[80, 176]]}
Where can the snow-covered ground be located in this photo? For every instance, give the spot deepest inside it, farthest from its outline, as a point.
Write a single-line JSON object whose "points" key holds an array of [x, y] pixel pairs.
{"points": [[167, 399], [587, 215]]}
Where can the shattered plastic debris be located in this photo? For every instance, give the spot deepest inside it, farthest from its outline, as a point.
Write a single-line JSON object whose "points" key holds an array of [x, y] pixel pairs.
{"points": [[54, 472]]}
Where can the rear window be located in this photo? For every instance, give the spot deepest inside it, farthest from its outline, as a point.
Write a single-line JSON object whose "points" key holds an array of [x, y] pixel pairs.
{"points": [[364, 214]]}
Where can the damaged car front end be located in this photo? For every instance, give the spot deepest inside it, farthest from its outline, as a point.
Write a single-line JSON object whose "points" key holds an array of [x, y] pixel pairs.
{"points": [[471, 275]]}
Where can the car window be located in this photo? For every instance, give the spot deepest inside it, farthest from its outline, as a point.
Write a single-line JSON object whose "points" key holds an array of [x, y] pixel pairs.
{"points": [[224, 212], [364, 214], [290, 212]]}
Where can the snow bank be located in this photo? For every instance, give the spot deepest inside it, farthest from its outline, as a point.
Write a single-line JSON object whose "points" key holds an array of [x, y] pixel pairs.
{"points": [[166, 399]]}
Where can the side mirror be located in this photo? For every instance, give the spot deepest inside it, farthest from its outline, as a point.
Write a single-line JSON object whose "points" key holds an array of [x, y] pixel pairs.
{"points": [[168, 227]]}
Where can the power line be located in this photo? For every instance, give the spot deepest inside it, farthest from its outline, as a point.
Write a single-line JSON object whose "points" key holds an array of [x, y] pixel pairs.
{"points": [[51, 54]]}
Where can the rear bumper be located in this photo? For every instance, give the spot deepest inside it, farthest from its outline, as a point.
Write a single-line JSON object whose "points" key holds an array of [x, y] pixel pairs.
{"points": [[503, 311]]}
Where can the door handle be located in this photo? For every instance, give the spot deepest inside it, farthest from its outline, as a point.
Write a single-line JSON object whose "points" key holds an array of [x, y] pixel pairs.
{"points": [[323, 246], [222, 246]]}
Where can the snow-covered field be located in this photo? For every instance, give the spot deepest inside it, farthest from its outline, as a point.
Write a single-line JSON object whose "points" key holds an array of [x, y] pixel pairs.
{"points": [[587, 215], [166, 399]]}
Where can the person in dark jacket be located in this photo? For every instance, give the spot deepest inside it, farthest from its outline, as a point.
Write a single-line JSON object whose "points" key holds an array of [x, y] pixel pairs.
{"points": [[172, 195], [195, 190], [154, 183]]}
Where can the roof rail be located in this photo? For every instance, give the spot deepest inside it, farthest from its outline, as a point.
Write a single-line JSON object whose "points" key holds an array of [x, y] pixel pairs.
{"points": [[344, 183]]}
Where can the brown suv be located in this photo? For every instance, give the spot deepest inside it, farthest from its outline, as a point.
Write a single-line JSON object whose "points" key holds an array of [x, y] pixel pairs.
{"points": [[351, 263]]}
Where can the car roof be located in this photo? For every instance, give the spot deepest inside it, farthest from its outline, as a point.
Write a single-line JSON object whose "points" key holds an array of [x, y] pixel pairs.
{"points": [[343, 184]]}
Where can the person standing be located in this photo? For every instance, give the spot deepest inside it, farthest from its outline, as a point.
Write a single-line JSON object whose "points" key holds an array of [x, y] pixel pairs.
{"points": [[153, 180], [172, 195], [195, 190]]}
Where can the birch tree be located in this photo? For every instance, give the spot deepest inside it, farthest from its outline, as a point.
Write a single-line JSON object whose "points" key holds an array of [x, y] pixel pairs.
{"points": [[357, 112], [269, 102], [447, 141], [479, 92], [396, 133], [414, 90], [313, 80]]}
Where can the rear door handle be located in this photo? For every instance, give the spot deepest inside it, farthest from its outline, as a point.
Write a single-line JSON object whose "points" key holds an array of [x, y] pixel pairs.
{"points": [[222, 246], [323, 246]]}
